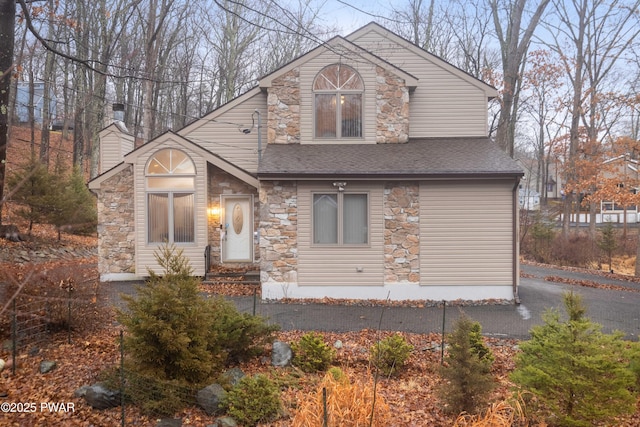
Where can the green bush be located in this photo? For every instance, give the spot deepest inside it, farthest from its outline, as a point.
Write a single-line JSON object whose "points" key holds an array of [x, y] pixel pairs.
{"points": [[390, 354], [311, 353], [580, 376], [173, 333], [240, 336], [467, 371], [253, 400]]}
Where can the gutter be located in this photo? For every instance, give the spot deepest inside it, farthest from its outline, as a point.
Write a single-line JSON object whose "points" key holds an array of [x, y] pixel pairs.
{"points": [[516, 241]]}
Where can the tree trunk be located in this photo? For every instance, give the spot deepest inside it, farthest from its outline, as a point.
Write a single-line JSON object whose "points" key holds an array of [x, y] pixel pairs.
{"points": [[7, 39]]}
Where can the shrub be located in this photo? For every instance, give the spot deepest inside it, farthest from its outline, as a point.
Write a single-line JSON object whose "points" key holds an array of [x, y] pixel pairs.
{"points": [[240, 336], [607, 242], [579, 375], [173, 333], [390, 354], [169, 325], [253, 400], [347, 404], [467, 371], [153, 396], [311, 353]]}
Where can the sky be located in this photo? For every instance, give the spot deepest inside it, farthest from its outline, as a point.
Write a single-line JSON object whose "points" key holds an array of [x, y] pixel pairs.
{"points": [[349, 15]]}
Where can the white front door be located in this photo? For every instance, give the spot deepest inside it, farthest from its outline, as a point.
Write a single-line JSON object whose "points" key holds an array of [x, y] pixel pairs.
{"points": [[237, 244]]}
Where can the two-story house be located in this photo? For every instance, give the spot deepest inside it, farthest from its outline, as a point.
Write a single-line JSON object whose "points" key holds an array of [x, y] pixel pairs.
{"points": [[362, 169]]}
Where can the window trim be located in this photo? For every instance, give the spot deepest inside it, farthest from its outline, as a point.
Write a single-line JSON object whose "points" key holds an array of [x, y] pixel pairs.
{"points": [[337, 93], [340, 224]]}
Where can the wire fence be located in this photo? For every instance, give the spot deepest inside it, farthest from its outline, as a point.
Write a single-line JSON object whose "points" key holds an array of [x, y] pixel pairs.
{"points": [[33, 317]]}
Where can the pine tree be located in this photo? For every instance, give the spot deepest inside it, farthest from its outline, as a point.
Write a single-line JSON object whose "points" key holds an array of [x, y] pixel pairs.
{"points": [[169, 325], [580, 375], [607, 242], [467, 371], [29, 187], [71, 205]]}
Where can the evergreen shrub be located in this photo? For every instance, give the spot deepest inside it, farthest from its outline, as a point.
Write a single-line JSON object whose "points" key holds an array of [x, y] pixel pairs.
{"points": [[253, 400], [390, 354], [467, 369], [311, 353]]}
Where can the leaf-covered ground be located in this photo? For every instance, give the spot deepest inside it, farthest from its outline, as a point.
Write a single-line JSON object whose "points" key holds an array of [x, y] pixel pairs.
{"points": [[93, 347]]}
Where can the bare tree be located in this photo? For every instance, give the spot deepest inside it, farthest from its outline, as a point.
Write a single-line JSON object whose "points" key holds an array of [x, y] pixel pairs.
{"points": [[589, 38], [7, 26], [514, 42]]}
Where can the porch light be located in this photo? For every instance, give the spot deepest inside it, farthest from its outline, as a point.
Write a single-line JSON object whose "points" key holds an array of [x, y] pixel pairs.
{"points": [[213, 211]]}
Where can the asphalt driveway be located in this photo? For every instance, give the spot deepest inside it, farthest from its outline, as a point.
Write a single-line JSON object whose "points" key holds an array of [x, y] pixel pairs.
{"points": [[615, 308]]}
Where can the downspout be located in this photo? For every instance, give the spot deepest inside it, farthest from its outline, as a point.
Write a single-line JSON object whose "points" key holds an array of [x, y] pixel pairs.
{"points": [[516, 241], [259, 136]]}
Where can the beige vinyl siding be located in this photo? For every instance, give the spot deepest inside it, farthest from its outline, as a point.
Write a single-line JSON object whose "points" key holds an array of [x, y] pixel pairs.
{"points": [[444, 104], [113, 146], [320, 265], [466, 233], [308, 72], [194, 251], [221, 131]]}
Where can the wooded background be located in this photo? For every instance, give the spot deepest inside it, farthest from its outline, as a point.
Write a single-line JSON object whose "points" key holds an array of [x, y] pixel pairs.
{"points": [[567, 70]]}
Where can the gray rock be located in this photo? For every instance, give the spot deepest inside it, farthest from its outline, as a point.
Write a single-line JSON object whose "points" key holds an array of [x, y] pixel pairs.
{"points": [[225, 422], [281, 354], [233, 376], [100, 397], [81, 392], [170, 422], [210, 397], [47, 366]]}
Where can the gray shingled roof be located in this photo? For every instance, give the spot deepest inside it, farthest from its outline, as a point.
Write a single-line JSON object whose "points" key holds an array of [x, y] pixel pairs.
{"points": [[425, 157]]}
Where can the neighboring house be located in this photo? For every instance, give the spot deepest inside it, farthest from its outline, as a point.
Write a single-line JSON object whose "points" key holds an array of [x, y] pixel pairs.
{"points": [[362, 169], [529, 199], [621, 171], [23, 102]]}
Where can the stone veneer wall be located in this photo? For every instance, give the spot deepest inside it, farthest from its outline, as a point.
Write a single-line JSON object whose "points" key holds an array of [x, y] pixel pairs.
{"points": [[279, 232], [402, 233], [222, 183], [116, 224], [283, 109], [392, 108]]}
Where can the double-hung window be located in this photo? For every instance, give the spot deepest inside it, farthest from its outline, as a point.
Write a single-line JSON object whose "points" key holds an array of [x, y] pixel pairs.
{"points": [[170, 181], [340, 218], [338, 92]]}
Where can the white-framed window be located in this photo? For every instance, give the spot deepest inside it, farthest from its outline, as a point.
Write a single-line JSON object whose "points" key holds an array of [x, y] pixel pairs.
{"points": [[170, 187], [338, 91], [340, 218]]}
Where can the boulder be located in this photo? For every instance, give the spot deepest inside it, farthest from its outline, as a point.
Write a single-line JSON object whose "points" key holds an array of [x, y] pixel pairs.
{"points": [[224, 422], [232, 376], [100, 397], [47, 366], [10, 232], [281, 354], [170, 422], [210, 397]]}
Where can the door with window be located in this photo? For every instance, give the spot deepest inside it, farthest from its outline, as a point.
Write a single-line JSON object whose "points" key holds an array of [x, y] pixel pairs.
{"points": [[237, 240]]}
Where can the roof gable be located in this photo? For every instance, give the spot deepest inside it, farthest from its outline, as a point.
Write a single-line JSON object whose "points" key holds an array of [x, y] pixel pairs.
{"points": [[384, 33], [341, 47], [161, 140]]}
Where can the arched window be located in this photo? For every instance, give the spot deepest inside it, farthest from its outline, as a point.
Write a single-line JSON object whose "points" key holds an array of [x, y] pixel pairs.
{"points": [[338, 92], [170, 180]]}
